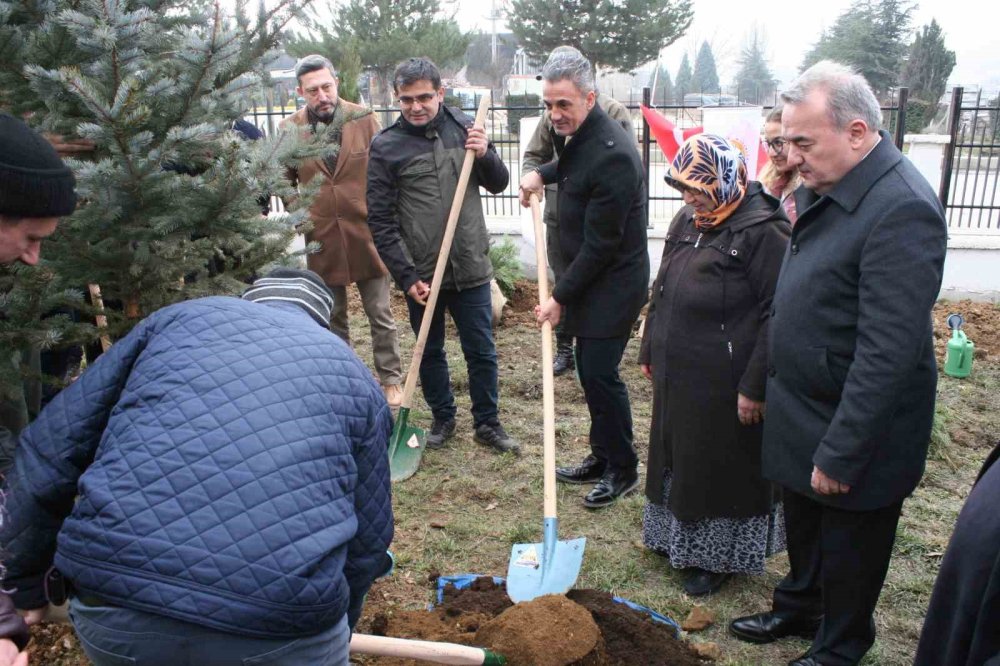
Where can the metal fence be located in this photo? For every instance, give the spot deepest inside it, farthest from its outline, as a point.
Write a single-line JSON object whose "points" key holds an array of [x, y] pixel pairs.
{"points": [[501, 124], [971, 166]]}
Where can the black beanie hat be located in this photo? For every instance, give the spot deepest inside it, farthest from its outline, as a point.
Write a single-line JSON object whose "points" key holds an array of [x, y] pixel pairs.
{"points": [[34, 182], [295, 285]]}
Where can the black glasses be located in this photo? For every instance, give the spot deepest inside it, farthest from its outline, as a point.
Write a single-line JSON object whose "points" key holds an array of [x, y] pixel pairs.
{"points": [[776, 145], [424, 99]]}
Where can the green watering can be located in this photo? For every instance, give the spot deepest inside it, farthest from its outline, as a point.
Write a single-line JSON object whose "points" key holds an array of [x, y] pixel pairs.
{"points": [[958, 362]]}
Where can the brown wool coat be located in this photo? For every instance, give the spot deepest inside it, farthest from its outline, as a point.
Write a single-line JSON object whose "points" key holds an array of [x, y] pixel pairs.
{"points": [[339, 213]]}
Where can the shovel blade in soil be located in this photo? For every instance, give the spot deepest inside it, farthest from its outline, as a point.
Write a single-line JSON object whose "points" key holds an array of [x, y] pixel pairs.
{"points": [[537, 569], [406, 447]]}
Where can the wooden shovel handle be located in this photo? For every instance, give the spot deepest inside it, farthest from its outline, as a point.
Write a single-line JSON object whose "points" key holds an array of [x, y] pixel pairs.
{"points": [[449, 234], [101, 320], [439, 653], [548, 399]]}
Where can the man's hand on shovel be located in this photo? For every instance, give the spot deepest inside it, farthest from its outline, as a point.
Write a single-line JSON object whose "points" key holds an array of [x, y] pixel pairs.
{"points": [[531, 183], [550, 312]]}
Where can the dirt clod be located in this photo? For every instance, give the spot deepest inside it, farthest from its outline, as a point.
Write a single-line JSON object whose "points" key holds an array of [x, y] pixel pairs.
{"points": [[699, 619], [547, 631]]}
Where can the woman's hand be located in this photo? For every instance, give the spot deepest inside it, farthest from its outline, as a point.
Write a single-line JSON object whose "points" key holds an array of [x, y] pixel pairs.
{"points": [[647, 370], [749, 411]]}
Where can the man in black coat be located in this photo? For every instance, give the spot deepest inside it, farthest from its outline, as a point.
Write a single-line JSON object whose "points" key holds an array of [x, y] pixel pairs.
{"points": [[852, 377], [963, 621], [602, 238]]}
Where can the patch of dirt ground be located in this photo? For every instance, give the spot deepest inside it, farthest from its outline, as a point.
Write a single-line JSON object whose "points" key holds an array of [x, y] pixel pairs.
{"points": [[982, 326], [547, 630]]}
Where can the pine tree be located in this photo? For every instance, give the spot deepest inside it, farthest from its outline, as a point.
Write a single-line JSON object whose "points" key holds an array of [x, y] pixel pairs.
{"points": [[35, 317], [612, 34], [169, 198], [926, 73], [383, 33], [869, 36], [754, 80], [706, 78], [663, 93], [683, 82]]}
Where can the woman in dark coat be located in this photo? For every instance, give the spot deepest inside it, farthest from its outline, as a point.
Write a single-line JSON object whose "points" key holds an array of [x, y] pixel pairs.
{"points": [[704, 347]]}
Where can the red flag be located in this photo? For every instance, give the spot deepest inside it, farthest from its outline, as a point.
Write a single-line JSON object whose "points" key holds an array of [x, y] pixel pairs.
{"points": [[668, 137], [762, 157]]}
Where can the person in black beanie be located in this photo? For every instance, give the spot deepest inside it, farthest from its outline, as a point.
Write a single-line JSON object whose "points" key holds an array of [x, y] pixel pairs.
{"points": [[36, 189]]}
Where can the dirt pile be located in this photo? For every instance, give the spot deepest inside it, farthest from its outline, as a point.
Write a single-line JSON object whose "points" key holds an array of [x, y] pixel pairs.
{"points": [[483, 615], [547, 631]]}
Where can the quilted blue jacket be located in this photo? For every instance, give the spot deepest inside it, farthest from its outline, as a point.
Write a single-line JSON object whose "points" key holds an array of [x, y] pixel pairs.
{"points": [[223, 464]]}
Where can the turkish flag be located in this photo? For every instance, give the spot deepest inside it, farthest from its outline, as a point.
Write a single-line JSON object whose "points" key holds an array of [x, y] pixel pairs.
{"points": [[668, 136]]}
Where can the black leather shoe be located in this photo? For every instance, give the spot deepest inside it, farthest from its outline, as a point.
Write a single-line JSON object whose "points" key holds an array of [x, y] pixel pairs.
{"points": [[699, 583], [771, 626], [806, 660], [614, 484], [563, 361], [589, 471]]}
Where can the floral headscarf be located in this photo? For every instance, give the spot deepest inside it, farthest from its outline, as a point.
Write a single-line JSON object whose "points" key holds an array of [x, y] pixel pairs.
{"points": [[709, 164]]}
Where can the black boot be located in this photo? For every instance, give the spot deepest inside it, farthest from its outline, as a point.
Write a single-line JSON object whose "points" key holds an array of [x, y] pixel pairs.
{"points": [[563, 361]]}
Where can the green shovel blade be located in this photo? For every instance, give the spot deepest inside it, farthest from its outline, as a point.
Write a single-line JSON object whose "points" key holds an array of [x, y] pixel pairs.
{"points": [[406, 447]]}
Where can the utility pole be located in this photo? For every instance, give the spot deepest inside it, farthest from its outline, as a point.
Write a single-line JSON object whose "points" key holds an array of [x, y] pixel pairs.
{"points": [[494, 15]]}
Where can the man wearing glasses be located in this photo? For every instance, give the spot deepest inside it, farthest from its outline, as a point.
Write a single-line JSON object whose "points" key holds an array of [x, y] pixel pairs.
{"points": [[347, 254], [413, 172]]}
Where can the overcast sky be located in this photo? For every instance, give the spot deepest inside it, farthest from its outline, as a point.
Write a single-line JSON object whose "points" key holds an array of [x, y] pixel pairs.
{"points": [[792, 26]]}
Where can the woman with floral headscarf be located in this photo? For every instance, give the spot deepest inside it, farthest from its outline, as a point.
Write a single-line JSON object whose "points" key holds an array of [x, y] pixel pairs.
{"points": [[704, 347]]}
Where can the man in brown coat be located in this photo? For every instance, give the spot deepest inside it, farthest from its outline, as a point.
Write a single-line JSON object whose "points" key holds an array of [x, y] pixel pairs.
{"points": [[340, 215]]}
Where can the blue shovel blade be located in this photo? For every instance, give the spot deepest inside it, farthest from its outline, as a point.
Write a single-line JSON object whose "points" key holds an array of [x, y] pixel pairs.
{"points": [[537, 569]]}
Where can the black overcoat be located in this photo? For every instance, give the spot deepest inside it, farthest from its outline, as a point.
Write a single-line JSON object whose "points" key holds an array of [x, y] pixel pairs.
{"points": [[963, 621], [706, 340], [602, 229], [852, 376]]}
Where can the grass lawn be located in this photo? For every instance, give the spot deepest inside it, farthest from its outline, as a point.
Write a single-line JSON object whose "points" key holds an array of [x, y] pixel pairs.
{"points": [[466, 506]]}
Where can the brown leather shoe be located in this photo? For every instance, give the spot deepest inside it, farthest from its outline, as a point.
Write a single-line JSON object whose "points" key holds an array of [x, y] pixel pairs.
{"points": [[393, 395]]}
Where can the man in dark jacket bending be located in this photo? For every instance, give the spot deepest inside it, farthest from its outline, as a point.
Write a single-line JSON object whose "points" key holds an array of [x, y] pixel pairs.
{"points": [[413, 172], [602, 238], [219, 485]]}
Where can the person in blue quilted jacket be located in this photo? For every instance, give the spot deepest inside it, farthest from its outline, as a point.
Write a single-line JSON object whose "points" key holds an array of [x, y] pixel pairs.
{"points": [[214, 489]]}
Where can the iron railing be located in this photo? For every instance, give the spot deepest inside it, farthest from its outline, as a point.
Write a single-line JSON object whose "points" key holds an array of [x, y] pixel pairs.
{"points": [[971, 166]]}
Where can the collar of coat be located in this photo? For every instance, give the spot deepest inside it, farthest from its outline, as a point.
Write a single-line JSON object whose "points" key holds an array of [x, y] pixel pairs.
{"points": [[853, 187]]}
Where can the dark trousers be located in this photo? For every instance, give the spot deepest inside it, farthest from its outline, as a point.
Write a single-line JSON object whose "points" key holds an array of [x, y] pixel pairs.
{"points": [[597, 361], [838, 560], [472, 312], [115, 636]]}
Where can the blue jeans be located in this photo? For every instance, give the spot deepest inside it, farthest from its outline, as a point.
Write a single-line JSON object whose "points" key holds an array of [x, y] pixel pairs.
{"points": [[115, 636], [472, 312]]}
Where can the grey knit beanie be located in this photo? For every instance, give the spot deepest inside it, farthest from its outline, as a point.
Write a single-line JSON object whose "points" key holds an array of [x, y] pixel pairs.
{"points": [[295, 285], [34, 182]]}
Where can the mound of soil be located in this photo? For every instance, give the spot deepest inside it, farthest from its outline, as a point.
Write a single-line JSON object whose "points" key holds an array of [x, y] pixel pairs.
{"points": [[483, 615], [547, 631], [55, 645]]}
